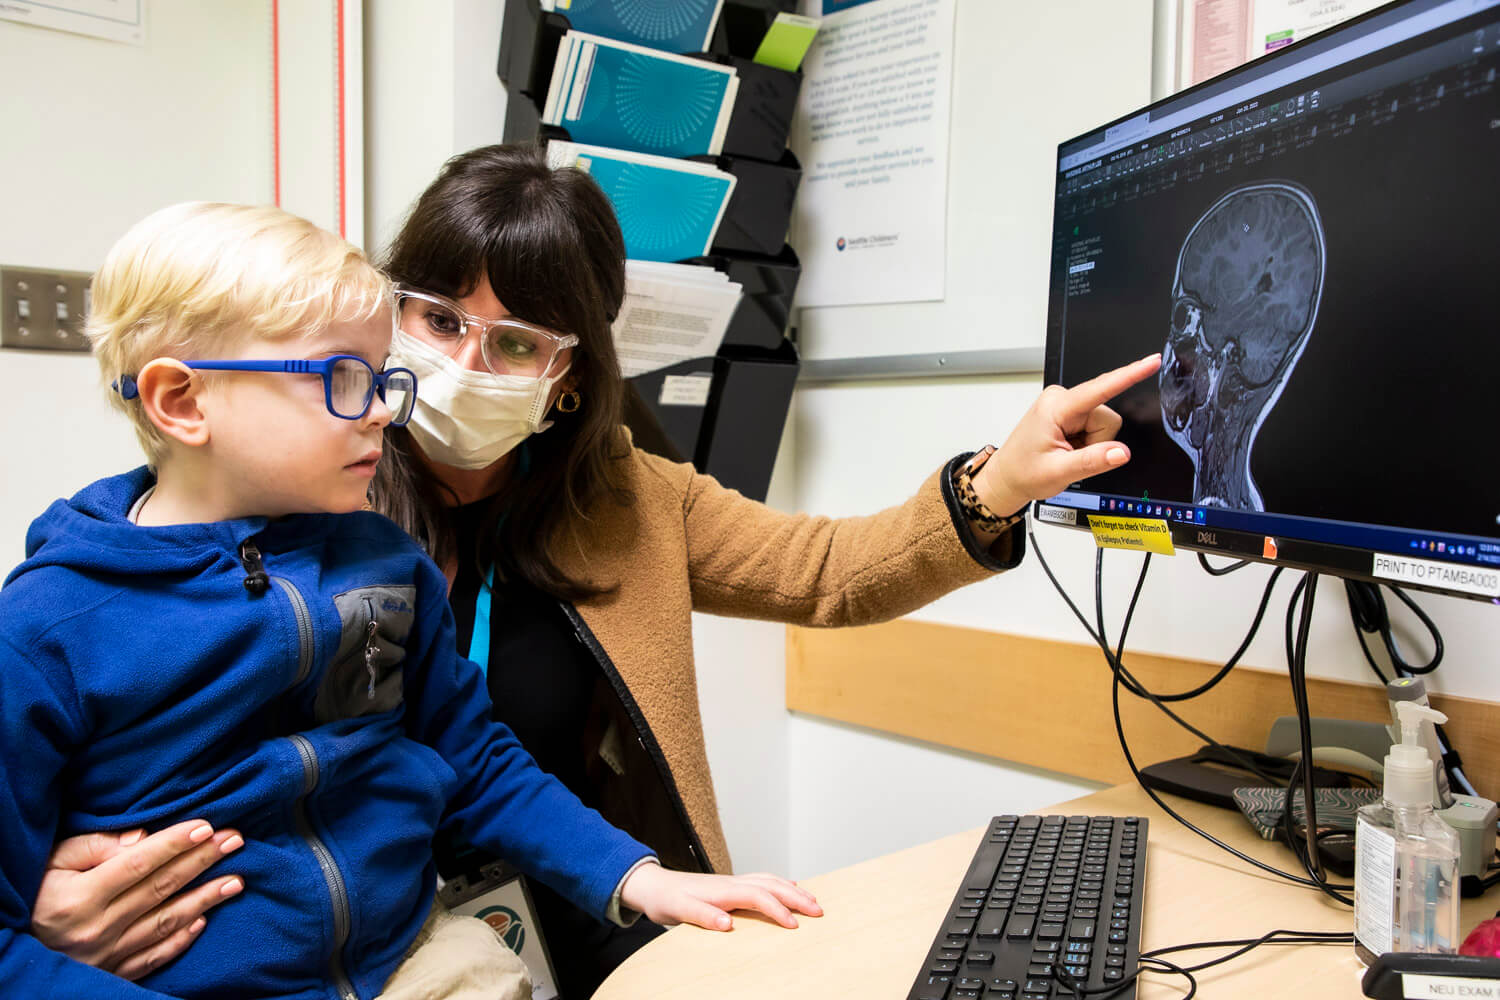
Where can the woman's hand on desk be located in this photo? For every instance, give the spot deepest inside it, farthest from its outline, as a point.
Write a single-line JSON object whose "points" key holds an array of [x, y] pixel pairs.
{"points": [[668, 897], [112, 900], [1067, 435]]}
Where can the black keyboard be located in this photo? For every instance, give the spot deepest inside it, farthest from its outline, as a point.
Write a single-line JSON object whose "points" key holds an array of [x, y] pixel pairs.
{"points": [[1044, 896]]}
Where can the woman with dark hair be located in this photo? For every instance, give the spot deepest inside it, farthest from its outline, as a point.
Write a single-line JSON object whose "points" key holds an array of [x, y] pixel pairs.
{"points": [[576, 558]]}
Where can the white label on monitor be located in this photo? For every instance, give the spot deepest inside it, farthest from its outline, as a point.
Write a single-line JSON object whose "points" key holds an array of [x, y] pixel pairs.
{"points": [[1056, 515], [1447, 987], [1425, 573], [685, 390]]}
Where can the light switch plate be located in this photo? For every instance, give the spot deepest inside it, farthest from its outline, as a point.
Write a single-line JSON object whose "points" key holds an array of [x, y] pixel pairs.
{"points": [[43, 310]]}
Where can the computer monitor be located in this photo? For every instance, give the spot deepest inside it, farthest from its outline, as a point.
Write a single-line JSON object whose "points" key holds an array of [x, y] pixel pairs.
{"points": [[1311, 242]]}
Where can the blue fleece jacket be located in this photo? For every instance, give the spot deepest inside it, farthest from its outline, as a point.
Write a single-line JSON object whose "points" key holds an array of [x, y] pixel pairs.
{"points": [[328, 718]]}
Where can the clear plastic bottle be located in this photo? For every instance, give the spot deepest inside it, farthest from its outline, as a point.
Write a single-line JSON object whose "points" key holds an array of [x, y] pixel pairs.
{"points": [[1405, 856]]}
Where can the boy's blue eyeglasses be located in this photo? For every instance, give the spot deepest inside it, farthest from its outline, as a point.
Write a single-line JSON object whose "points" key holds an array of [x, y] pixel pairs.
{"points": [[349, 383]]}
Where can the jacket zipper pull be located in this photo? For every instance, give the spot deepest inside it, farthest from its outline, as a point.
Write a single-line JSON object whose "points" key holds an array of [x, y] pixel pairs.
{"points": [[256, 580], [371, 651]]}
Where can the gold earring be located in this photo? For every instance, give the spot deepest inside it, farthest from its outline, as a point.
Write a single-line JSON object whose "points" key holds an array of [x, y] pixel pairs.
{"points": [[572, 401]]}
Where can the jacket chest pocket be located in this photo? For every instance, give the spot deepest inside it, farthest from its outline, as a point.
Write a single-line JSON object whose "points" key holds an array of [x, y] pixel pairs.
{"points": [[365, 676]]}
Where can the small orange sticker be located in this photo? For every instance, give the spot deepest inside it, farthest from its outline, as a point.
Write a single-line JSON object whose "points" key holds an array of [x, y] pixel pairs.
{"points": [[1268, 548]]}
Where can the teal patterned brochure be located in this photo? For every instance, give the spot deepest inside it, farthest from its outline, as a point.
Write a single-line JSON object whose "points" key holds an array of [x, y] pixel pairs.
{"points": [[668, 209], [609, 93], [672, 26]]}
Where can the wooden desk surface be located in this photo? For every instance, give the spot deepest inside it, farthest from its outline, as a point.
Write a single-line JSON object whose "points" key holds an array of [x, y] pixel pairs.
{"points": [[881, 917]]}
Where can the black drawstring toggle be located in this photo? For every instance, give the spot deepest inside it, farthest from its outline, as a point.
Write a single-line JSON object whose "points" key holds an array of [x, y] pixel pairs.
{"points": [[256, 580]]}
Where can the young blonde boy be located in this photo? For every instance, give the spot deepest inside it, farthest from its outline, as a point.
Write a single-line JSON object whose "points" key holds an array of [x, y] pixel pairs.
{"points": [[223, 635]]}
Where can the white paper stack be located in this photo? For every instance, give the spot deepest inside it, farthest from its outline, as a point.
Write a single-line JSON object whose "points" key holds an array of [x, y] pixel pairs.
{"points": [[612, 93], [672, 313]]}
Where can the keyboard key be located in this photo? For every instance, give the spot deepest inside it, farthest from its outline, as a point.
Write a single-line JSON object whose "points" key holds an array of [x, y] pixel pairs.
{"points": [[943, 968], [968, 983], [1081, 930], [1114, 975], [1004, 985], [960, 929], [1039, 970], [991, 926], [1042, 987], [981, 958], [1049, 932], [966, 995], [1019, 928]]}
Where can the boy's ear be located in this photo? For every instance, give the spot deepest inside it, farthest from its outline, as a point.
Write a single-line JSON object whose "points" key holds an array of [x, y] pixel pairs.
{"points": [[170, 395]]}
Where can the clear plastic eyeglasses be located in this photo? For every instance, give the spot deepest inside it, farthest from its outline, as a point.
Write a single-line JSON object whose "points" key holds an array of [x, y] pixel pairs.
{"points": [[349, 383], [508, 346]]}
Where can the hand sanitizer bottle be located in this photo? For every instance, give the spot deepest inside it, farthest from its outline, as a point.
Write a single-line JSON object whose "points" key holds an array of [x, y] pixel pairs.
{"points": [[1405, 857]]}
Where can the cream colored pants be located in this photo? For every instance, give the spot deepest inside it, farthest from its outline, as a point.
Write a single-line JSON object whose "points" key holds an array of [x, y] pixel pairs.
{"points": [[458, 958]]}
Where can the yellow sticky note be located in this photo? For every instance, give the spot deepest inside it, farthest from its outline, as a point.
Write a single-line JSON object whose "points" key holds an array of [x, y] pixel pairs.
{"points": [[1139, 534]]}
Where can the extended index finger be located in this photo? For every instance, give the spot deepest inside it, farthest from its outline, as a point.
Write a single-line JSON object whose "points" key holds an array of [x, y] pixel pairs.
{"points": [[135, 863], [1084, 397]]}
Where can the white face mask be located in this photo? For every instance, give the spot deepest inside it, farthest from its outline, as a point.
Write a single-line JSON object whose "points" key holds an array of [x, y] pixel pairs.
{"points": [[468, 419]]}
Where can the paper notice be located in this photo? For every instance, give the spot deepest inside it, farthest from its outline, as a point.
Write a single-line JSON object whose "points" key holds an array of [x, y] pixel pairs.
{"points": [[672, 313], [1139, 534]]}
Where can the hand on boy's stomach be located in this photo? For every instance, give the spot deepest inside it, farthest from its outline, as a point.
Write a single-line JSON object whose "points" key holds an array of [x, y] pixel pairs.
{"points": [[116, 901], [671, 897]]}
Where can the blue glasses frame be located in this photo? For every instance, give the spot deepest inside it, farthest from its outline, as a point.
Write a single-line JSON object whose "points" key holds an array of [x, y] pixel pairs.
{"points": [[302, 366]]}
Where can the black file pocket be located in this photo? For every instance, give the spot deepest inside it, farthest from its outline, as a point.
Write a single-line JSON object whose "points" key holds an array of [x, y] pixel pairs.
{"points": [[760, 210], [761, 119], [743, 25], [768, 283], [746, 413], [661, 421]]}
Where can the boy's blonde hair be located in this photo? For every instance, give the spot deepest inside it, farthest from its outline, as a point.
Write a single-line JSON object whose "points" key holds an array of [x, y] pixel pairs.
{"points": [[199, 279]]}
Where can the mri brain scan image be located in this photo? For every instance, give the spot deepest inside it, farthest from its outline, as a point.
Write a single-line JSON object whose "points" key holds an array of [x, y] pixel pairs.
{"points": [[1244, 301]]}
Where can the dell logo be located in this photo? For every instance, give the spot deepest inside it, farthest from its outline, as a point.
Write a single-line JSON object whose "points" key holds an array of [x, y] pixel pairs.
{"points": [[1208, 538]]}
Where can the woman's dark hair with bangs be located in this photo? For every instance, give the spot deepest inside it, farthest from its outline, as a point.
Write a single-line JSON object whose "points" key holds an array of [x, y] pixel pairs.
{"points": [[548, 244]]}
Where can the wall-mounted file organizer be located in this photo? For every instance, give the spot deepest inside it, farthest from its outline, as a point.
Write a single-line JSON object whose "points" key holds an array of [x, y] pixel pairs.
{"points": [[768, 284], [760, 209], [743, 23], [746, 413]]}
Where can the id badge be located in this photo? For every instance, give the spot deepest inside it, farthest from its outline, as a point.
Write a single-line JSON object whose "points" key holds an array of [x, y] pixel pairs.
{"points": [[498, 895]]}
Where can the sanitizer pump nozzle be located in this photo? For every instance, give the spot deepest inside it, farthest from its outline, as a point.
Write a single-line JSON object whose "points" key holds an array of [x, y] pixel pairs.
{"points": [[1409, 779]]}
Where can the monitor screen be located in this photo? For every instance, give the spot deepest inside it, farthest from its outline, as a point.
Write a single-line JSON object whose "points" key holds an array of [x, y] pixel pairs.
{"points": [[1310, 242]]}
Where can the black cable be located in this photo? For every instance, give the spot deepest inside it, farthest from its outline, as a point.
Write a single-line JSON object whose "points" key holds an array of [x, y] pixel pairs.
{"points": [[1118, 669], [1222, 570], [1299, 609], [1138, 689], [1208, 685], [1368, 612]]}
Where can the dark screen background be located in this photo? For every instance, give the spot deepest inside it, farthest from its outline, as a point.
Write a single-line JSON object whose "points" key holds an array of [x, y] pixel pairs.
{"points": [[1389, 416]]}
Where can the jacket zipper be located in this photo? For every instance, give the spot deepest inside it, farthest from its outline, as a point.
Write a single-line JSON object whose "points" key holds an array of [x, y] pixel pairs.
{"points": [[643, 731], [337, 891]]}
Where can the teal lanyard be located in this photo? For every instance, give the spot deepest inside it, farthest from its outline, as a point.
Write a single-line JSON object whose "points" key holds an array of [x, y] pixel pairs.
{"points": [[479, 641]]}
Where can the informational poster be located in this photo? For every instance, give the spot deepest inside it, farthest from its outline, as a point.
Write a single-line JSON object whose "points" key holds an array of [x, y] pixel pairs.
{"points": [[1218, 35], [873, 136], [116, 20]]}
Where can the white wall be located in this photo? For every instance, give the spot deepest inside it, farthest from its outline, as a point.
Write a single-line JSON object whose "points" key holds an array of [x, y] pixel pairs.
{"points": [[98, 134], [430, 92]]}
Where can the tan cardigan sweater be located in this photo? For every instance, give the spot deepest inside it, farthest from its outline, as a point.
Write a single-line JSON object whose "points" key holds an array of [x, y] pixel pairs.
{"points": [[689, 543]]}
